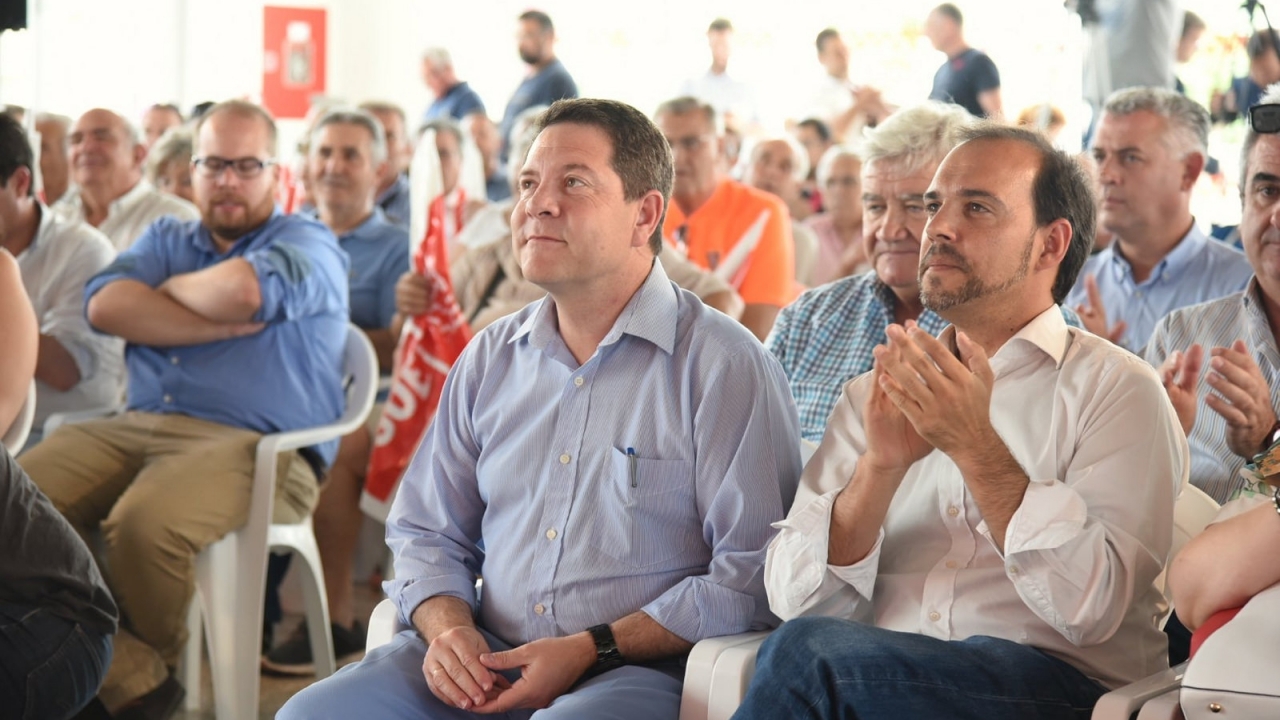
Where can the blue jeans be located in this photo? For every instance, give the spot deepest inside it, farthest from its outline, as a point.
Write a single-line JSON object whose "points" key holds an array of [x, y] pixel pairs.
{"points": [[822, 667], [50, 667], [388, 684]]}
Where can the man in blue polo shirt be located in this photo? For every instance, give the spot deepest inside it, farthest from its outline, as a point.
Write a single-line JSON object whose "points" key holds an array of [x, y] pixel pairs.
{"points": [[347, 150], [548, 80], [454, 99], [235, 327]]}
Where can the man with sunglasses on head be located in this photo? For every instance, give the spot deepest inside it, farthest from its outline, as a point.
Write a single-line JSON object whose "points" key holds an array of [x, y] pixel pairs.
{"points": [[1229, 410], [235, 326]]}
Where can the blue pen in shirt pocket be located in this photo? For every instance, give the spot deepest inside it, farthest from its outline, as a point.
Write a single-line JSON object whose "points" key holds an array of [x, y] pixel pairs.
{"points": [[631, 465]]}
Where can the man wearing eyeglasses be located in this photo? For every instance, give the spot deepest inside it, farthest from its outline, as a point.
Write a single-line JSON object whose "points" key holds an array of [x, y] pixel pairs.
{"points": [[740, 234], [1229, 410], [235, 325], [107, 154]]}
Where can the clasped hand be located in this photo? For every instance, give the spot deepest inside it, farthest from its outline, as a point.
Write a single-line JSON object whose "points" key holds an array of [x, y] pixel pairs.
{"points": [[461, 670], [946, 400]]}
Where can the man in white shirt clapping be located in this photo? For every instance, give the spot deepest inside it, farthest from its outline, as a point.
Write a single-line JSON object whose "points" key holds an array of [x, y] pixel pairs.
{"points": [[980, 532]]}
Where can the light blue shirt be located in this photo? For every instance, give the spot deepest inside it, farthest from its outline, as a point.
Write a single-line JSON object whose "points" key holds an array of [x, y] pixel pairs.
{"points": [[1240, 316], [825, 338], [524, 475], [286, 377], [394, 201], [1196, 270], [379, 253]]}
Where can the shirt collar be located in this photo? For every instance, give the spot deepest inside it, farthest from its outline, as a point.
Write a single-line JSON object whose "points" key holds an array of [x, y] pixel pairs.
{"points": [[399, 186], [131, 198], [1046, 332], [45, 226], [364, 231], [650, 315], [1172, 265], [204, 240]]}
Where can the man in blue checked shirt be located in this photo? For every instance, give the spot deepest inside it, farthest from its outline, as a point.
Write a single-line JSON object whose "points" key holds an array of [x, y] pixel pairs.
{"points": [[824, 339], [610, 459], [235, 327]]}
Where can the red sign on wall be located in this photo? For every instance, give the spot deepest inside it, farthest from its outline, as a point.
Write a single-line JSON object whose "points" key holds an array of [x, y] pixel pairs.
{"points": [[293, 54]]}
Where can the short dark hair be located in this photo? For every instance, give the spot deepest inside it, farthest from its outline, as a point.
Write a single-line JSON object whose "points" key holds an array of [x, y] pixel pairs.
{"points": [[1061, 189], [818, 127], [641, 155], [686, 104], [170, 107], [543, 19], [951, 11], [1191, 22], [1261, 42], [824, 36], [720, 25], [15, 151]]}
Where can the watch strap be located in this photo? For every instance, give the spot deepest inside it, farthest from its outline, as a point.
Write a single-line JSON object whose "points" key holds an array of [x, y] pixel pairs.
{"points": [[608, 656]]}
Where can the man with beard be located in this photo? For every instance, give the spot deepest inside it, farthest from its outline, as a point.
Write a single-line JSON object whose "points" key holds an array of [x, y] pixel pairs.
{"points": [[548, 80], [980, 532], [818, 355], [235, 325]]}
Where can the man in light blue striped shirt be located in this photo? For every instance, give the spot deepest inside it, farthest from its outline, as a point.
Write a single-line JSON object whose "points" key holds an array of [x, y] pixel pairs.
{"points": [[1150, 148], [1230, 413], [610, 459]]}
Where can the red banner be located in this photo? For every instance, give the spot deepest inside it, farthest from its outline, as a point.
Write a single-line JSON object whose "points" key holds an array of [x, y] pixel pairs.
{"points": [[429, 345]]}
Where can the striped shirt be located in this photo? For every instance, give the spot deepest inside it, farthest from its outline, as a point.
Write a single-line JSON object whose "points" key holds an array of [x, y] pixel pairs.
{"points": [[1214, 467], [825, 338], [527, 475]]}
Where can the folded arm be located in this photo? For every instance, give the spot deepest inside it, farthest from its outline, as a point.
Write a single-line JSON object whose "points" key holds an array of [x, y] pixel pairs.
{"points": [[143, 315], [227, 292], [1228, 563]]}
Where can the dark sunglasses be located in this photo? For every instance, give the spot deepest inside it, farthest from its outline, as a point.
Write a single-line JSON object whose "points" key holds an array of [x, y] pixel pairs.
{"points": [[1265, 118]]}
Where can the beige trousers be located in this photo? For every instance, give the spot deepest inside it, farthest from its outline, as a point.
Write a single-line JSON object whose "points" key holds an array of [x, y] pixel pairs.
{"points": [[160, 488]]}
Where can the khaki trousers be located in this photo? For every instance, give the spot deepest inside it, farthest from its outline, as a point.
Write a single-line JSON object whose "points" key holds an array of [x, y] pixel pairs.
{"points": [[160, 488]]}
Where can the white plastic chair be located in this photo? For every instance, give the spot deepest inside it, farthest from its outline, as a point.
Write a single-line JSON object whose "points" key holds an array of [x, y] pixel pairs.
{"points": [[16, 436], [231, 573]]}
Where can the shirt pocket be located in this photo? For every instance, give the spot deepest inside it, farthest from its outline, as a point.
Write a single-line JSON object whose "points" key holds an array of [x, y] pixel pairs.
{"points": [[659, 514]]}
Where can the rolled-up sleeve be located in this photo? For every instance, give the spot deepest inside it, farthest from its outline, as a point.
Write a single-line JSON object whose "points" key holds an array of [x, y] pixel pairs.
{"points": [[798, 577], [146, 261], [748, 463], [434, 525], [1079, 549], [297, 281]]}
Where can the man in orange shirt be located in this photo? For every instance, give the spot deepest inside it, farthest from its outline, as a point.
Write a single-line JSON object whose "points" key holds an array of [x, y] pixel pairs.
{"points": [[741, 234]]}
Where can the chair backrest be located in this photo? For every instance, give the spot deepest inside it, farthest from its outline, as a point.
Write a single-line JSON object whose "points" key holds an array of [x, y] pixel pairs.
{"points": [[1193, 511], [16, 436], [360, 374]]}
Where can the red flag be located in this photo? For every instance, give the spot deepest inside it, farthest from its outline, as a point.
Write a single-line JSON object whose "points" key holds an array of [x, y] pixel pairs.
{"points": [[429, 345]]}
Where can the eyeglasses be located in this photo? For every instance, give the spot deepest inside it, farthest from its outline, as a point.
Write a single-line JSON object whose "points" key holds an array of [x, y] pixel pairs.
{"points": [[1265, 119], [245, 168]]}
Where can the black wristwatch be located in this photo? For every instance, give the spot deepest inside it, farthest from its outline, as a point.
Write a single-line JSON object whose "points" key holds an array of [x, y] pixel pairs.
{"points": [[607, 655]]}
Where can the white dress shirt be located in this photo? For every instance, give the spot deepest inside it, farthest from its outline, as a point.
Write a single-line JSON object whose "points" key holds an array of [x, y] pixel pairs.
{"points": [[1091, 426], [55, 267], [129, 214]]}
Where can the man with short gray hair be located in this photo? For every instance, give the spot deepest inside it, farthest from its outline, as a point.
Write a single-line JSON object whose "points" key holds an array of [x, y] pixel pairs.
{"points": [[107, 155], [453, 98], [824, 339], [55, 173], [1150, 147], [393, 182]]}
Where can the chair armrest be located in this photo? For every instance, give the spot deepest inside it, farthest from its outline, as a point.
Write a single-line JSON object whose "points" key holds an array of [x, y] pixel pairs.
{"points": [[717, 675], [57, 420], [1163, 707], [1122, 703], [384, 623]]}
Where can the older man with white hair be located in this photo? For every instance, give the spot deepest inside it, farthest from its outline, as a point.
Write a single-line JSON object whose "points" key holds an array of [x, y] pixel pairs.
{"points": [[838, 227], [779, 166], [454, 98], [107, 157]]}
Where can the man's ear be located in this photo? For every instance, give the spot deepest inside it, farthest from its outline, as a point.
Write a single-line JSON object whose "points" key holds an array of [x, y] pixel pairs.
{"points": [[1057, 240], [1192, 166], [648, 216], [21, 182], [139, 155]]}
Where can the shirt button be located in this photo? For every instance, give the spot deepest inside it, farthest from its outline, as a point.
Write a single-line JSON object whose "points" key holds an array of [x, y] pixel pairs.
{"points": [[564, 459], [168, 398], [539, 609], [578, 381], [934, 616], [953, 511], [551, 534], [1013, 570], [951, 564], [173, 360]]}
